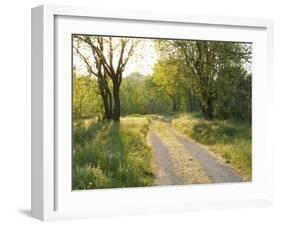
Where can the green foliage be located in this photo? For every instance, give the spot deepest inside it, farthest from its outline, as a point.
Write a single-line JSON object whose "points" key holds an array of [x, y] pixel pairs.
{"points": [[140, 95], [89, 177], [169, 79], [132, 94], [234, 94], [86, 99], [231, 139], [109, 155], [156, 100], [208, 76], [216, 74]]}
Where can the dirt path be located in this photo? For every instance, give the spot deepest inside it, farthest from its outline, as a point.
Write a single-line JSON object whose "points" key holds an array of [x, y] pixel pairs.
{"points": [[166, 174], [179, 160]]}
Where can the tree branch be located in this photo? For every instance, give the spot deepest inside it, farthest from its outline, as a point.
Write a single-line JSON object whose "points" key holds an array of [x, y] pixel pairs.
{"points": [[86, 62]]}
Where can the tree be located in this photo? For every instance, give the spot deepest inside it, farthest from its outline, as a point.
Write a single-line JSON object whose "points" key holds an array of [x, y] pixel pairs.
{"points": [[107, 61], [95, 67], [205, 61], [169, 51], [168, 77], [234, 93], [200, 70], [132, 94], [86, 101], [156, 101]]}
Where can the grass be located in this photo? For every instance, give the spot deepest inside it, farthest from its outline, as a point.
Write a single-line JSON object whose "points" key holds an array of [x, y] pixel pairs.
{"points": [[230, 139], [111, 155]]}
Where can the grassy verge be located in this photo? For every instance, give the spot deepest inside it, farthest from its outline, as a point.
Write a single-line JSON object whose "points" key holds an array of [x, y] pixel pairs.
{"points": [[110, 155], [230, 139]]}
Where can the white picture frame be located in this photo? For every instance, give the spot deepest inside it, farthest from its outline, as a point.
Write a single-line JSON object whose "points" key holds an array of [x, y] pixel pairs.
{"points": [[52, 197]]}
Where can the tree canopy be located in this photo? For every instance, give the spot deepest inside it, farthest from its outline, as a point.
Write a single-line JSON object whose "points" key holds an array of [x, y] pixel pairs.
{"points": [[210, 77]]}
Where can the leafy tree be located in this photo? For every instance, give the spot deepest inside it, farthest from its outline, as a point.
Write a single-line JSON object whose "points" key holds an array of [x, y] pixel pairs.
{"points": [[169, 51], [209, 76], [132, 94], [205, 62], [86, 99], [156, 101], [234, 94], [107, 61], [168, 77], [139, 94]]}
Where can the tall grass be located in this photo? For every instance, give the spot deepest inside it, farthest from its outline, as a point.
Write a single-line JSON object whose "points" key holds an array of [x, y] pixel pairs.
{"points": [[109, 155], [230, 139]]}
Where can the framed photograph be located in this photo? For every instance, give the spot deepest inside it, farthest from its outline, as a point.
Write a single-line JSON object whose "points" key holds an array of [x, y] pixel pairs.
{"points": [[138, 112]]}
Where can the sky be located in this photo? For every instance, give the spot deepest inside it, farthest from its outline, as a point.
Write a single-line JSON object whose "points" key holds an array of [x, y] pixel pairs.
{"points": [[142, 60]]}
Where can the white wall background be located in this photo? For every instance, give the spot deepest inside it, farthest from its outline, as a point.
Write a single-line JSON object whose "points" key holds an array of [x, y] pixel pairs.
{"points": [[15, 112]]}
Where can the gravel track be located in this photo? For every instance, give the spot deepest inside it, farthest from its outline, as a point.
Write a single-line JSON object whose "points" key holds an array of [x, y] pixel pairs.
{"points": [[166, 174], [218, 171]]}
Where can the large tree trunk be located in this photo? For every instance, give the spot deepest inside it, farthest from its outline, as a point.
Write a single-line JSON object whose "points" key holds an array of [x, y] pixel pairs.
{"points": [[107, 113], [106, 99], [116, 110], [109, 103]]}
